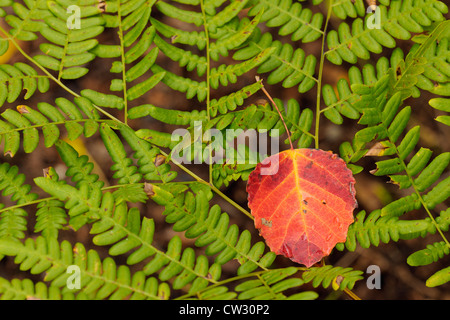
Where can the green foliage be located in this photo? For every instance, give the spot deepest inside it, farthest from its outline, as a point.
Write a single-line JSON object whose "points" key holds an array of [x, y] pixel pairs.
{"points": [[215, 46]]}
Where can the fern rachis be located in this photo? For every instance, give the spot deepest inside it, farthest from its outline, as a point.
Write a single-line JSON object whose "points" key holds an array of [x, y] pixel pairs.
{"points": [[208, 53]]}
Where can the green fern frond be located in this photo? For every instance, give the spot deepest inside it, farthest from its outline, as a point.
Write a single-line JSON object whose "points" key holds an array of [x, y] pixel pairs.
{"points": [[191, 87], [18, 77], [222, 75], [347, 8], [291, 18], [98, 279], [191, 213], [266, 118], [84, 205], [221, 47], [338, 277], [50, 218], [225, 74], [85, 201], [434, 49], [411, 75], [396, 22], [131, 19], [439, 278], [206, 49], [269, 285], [13, 221], [12, 184], [192, 38], [231, 101], [78, 167], [27, 120], [125, 172], [147, 156], [285, 64], [26, 21], [375, 228], [444, 105], [431, 254], [25, 289]]}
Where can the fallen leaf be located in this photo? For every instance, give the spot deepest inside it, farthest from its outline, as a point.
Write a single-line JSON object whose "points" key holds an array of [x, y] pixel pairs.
{"points": [[304, 208]]}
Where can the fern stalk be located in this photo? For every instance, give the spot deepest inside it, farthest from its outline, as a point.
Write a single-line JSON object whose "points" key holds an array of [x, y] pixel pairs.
{"points": [[319, 78], [122, 57]]}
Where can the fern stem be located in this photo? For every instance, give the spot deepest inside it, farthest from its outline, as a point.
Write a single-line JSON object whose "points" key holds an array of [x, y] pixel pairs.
{"points": [[62, 85], [319, 78], [433, 221], [208, 76], [351, 294]]}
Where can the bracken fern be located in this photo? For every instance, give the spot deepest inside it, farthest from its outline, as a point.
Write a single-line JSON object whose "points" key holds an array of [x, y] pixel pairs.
{"points": [[213, 44]]}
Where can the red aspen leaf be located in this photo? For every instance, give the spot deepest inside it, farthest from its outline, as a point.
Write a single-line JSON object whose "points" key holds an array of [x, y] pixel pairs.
{"points": [[302, 201]]}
